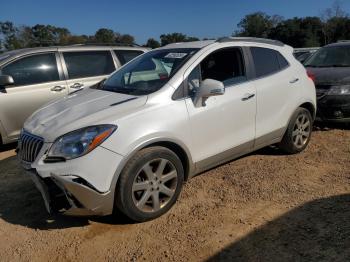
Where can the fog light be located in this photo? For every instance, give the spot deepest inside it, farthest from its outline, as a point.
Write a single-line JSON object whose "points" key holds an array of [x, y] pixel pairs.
{"points": [[338, 114]]}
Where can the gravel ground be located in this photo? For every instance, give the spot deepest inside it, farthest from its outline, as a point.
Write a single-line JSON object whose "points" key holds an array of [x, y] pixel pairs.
{"points": [[263, 207]]}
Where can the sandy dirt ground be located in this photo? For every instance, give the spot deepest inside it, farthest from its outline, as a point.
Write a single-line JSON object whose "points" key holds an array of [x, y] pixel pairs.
{"points": [[263, 207]]}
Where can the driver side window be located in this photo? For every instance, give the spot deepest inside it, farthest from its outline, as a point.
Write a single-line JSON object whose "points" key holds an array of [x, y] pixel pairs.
{"points": [[225, 65]]}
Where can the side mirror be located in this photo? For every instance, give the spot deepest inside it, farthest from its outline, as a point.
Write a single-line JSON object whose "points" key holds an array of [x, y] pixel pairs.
{"points": [[5, 81], [208, 88]]}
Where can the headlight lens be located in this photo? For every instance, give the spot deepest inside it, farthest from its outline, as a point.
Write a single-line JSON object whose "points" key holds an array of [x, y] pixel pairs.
{"points": [[339, 90], [80, 142]]}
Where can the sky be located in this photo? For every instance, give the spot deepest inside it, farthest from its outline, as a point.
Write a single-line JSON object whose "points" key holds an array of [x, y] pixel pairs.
{"points": [[145, 19]]}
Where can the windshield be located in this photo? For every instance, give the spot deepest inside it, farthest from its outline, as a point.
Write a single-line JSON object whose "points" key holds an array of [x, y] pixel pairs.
{"points": [[149, 72], [336, 56]]}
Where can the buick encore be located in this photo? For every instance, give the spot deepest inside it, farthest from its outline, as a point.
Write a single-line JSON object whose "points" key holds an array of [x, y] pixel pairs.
{"points": [[29, 78], [130, 142]]}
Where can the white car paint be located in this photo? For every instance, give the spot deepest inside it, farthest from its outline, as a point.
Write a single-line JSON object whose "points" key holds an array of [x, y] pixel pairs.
{"points": [[225, 123]]}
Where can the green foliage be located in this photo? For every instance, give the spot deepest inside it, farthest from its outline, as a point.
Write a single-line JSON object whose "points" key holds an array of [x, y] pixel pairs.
{"points": [[257, 24], [152, 43], [332, 25], [166, 39], [104, 35]]}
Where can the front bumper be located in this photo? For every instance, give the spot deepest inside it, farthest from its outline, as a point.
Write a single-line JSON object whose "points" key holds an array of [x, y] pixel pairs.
{"points": [[334, 108], [82, 186], [67, 195]]}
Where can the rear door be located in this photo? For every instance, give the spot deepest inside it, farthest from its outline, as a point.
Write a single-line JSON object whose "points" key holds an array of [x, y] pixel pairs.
{"points": [[87, 67], [277, 93], [38, 79]]}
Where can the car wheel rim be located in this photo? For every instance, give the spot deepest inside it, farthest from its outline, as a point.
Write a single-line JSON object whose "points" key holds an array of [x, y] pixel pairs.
{"points": [[301, 131], [154, 185]]}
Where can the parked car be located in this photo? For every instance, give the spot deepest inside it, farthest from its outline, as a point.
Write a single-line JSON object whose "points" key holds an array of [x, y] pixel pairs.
{"points": [[29, 78], [302, 54], [330, 68], [130, 142]]}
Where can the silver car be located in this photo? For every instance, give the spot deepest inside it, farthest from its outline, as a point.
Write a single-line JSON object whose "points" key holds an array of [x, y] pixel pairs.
{"points": [[30, 78]]}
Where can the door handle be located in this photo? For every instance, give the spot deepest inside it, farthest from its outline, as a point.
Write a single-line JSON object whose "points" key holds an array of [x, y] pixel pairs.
{"points": [[247, 97], [58, 88], [294, 80], [77, 85]]}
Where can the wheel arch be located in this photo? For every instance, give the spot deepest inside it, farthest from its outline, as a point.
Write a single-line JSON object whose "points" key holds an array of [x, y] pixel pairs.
{"points": [[311, 108], [174, 145]]}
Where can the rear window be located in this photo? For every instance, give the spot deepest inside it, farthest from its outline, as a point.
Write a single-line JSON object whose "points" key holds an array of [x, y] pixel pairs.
{"points": [[267, 61], [88, 63], [125, 56]]}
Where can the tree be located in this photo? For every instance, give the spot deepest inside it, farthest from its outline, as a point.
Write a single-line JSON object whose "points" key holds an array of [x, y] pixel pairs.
{"points": [[333, 18], [299, 32], [104, 35], [166, 39], [256, 24], [9, 34], [124, 39], [152, 43]]}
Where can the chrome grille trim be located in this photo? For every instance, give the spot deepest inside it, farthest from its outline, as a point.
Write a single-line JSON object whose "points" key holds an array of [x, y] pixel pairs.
{"points": [[29, 146]]}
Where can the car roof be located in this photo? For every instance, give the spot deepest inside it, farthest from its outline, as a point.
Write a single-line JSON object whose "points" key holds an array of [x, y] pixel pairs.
{"points": [[340, 43], [15, 53], [194, 44], [204, 43]]}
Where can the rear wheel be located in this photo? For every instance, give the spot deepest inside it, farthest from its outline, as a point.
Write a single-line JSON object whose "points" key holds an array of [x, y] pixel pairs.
{"points": [[298, 133], [149, 184]]}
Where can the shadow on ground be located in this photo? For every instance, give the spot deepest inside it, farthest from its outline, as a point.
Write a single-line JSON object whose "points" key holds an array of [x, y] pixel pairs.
{"points": [[316, 231], [22, 204], [4, 148]]}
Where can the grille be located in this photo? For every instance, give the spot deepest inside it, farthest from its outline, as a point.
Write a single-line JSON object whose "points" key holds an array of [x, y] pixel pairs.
{"points": [[29, 146]]}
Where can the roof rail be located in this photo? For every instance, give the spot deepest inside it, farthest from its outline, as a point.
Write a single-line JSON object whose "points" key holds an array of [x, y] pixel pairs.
{"points": [[250, 39], [343, 41], [106, 44]]}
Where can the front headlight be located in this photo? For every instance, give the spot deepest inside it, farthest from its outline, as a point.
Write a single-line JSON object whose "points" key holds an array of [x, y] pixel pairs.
{"points": [[80, 142], [339, 90]]}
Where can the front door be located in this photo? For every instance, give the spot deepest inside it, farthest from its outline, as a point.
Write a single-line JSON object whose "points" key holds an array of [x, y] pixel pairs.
{"points": [[225, 126], [36, 82]]}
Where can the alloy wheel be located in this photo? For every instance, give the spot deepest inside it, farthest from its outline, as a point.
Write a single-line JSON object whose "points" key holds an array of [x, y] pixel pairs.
{"points": [[301, 131], [154, 185]]}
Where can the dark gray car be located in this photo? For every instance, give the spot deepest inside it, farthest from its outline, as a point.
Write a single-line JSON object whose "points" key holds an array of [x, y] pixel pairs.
{"points": [[330, 69]]}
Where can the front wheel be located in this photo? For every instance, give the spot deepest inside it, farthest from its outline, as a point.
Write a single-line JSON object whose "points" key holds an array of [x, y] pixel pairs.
{"points": [[298, 133], [150, 184]]}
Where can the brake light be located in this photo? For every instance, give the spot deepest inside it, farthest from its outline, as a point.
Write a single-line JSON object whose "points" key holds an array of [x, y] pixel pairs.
{"points": [[311, 76]]}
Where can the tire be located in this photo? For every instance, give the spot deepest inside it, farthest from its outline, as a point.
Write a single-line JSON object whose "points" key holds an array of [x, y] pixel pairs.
{"points": [[153, 173], [298, 133]]}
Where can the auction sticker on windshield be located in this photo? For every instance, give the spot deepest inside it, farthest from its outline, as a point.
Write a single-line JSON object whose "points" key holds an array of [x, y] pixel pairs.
{"points": [[176, 55]]}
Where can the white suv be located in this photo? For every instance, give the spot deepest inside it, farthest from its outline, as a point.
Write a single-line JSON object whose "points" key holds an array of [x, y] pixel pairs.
{"points": [[131, 141]]}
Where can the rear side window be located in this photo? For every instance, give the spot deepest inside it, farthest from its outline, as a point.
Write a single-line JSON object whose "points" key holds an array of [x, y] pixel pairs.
{"points": [[282, 61], [88, 63], [125, 56], [267, 61], [33, 69]]}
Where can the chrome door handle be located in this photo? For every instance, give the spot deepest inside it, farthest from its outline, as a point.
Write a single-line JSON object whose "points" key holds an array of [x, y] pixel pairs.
{"points": [[294, 80], [58, 88], [77, 85], [247, 97]]}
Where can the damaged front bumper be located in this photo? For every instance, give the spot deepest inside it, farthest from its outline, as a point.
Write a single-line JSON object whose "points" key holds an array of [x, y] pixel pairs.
{"points": [[78, 187], [70, 195]]}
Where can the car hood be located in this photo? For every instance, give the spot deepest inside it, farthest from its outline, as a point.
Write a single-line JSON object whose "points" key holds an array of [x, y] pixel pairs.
{"points": [[84, 108], [331, 75]]}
